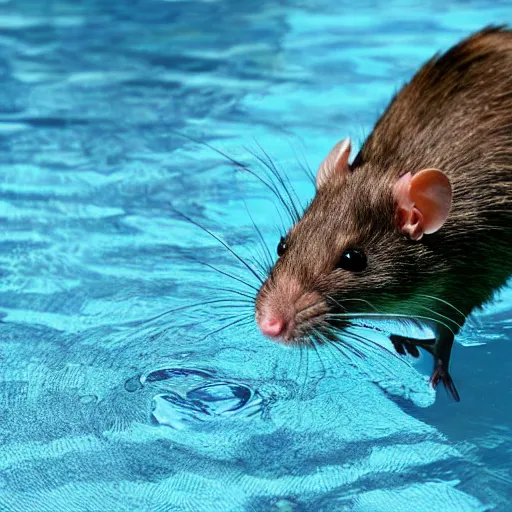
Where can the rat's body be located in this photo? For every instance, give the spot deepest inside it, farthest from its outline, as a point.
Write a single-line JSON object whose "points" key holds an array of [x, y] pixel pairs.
{"points": [[437, 243]]}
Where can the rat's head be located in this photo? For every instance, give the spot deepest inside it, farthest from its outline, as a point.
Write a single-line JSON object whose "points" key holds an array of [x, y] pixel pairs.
{"points": [[356, 249]]}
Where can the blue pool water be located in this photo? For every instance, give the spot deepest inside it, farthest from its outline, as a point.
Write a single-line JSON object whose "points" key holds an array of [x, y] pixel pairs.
{"points": [[108, 404]]}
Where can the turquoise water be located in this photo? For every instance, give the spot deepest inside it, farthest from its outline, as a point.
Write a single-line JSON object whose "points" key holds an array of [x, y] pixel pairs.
{"points": [[109, 401]]}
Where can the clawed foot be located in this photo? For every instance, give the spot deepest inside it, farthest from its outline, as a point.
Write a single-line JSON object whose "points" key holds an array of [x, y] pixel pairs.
{"points": [[410, 346], [441, 375]]}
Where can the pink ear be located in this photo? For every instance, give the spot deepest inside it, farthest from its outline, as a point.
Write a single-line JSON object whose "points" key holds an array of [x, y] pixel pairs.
{"points": [[335, 162], [423, 202]]}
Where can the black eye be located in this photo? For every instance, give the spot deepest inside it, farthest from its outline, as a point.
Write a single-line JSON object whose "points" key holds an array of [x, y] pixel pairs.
{"points": [[281, 247], [353, 260]]}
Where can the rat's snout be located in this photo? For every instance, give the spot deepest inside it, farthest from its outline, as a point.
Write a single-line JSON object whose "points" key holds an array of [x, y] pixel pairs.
{"points": [[271, 326], [275, 324], [285, 311], [275, 310]]}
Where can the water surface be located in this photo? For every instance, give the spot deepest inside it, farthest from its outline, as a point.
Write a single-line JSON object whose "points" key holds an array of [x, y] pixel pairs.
{"points": [[107, 403]]}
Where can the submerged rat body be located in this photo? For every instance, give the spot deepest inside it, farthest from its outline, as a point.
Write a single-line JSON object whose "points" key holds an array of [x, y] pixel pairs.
{"points": [[419, 225]]}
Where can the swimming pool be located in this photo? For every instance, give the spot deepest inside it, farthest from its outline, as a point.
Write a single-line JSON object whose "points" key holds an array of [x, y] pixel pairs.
{"points": [[111, 403]]}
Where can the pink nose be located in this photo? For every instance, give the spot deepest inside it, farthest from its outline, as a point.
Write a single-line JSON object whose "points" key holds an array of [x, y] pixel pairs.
{"points": [[272, 326]]}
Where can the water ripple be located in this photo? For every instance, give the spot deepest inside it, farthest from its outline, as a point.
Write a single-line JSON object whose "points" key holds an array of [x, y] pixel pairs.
{"points": [[183, 406]]}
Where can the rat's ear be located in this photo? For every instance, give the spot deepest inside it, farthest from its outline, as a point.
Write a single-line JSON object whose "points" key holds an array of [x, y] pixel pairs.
{"points": [[423, 202], [335, 162]]}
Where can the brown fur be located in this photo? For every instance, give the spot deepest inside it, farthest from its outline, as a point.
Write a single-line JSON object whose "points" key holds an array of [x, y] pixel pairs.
{"points": [[454, 115]]}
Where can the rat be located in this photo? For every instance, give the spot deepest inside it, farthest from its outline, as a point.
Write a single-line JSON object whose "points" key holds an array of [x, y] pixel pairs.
{"points": [[419, 225]]}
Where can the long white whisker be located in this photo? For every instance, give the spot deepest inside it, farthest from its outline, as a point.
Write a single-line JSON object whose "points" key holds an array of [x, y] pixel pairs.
{"points": [[440, 315], [444, 302], [387, 316], [353, 299]]}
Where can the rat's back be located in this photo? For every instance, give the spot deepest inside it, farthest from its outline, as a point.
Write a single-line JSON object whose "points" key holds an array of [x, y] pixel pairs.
{"points": [[455, 114]]}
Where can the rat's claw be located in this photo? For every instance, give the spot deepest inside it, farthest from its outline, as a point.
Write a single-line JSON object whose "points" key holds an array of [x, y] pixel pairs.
{"points": [[441, 375], [441, 353]]}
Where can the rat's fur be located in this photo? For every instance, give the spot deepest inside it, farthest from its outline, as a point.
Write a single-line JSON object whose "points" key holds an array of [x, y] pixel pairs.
{"points": [[454, 115]]}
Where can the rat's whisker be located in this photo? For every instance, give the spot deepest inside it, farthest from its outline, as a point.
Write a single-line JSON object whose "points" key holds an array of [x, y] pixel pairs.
{"points": [[284, 180], [285, 183], [138, 323], [332, 299], [448, 319], [224, 244], [227, 317], [247, 307], [337, 352], [356, 351], [354, 356], [465, 317], [308, 308], [246, 319], [227, 274], [376, 346], [255, 259], [330, 344], [361, 300], [251, 298], [241, 166], [231, 316], [338, 342], [444, 302], [346, 299], [267, 257], [389, 316], [317, 351], [303, 164], [291, 207]]}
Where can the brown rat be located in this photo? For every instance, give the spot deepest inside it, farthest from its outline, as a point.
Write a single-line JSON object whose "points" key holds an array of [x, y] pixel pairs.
{"points": [[420, 224]]}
